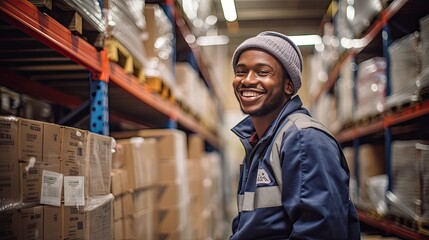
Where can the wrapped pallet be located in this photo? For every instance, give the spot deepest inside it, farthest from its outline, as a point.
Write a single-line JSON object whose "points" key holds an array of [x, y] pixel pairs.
{"points": [[424, 36], [410, 184], [371, 88], [405, 67]]}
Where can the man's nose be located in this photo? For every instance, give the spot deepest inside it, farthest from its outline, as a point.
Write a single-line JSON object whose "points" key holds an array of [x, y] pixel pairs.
{"points": [[250, 78]]}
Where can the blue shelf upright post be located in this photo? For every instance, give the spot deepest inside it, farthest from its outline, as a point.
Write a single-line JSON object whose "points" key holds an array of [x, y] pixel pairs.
{"points": [[168, 7], [98, 100], [387, 132]]}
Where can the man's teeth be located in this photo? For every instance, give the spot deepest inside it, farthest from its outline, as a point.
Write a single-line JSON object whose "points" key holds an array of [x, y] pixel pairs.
{"points": [[250, 94]]}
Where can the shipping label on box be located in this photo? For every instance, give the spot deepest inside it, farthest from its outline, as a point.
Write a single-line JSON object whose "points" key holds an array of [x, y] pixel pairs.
{"points": [[99, 155]]}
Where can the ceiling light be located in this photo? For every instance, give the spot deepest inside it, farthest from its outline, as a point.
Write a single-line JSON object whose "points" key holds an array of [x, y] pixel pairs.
{"points": [[228, 7], [302, 40], [212, 40]]}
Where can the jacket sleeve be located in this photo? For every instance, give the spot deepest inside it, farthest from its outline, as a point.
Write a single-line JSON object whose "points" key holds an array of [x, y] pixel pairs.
{"points": [[315, 192]]}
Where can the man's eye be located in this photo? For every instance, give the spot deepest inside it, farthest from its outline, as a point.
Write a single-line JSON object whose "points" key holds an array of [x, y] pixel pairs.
{"points": [[263, 73], [240, 73]]}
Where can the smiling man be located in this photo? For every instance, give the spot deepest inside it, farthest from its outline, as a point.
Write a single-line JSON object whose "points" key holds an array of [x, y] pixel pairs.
{"points": [[294, 177]]}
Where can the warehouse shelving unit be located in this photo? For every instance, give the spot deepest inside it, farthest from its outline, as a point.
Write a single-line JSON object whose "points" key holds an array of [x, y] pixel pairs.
{"points": [[400, 122], [32, 40]]}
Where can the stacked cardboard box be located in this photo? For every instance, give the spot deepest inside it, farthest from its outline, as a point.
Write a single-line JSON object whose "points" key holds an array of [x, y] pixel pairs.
{"points": [[35, 159], [134, 180], [172, 200], [371, 164]]}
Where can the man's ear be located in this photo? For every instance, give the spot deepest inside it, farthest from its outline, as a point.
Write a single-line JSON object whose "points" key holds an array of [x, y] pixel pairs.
{"points": [[288, 87]]}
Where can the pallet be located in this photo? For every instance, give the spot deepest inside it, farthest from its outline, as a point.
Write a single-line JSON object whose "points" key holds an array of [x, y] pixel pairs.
{"points": [[403, 222], [156, 85], [119, 54], [423, 227], [367, 120], [71, 19]]}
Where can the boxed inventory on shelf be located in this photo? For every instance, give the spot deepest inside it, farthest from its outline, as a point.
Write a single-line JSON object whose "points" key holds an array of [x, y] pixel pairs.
{"points": [[371, 88], [49, 222], [410, 184], [139, 157], [371, 163], [26, 149], [31, 150]]}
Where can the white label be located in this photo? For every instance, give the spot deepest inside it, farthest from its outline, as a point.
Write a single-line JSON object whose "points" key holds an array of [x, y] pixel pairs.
{"points": [[262, 176], [74, 191], [51, 188]]}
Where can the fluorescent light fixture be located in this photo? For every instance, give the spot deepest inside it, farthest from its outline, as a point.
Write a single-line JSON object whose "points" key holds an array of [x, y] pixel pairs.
{"points": [[212, 40], [302, 40], [229, 11]]}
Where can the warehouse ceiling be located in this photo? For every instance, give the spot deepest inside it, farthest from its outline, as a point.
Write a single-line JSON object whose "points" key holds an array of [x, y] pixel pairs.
{"points": [[292, 17]]}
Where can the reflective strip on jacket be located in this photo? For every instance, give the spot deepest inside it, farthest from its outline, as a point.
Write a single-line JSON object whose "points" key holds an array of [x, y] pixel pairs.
{"points": [[314, 199]]}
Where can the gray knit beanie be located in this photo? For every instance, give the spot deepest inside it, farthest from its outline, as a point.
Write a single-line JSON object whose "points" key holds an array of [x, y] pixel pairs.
{"points": [[281, 47]]}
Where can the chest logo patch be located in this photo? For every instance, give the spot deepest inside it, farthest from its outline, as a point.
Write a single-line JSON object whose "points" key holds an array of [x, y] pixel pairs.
{"points": [[262, 177]]}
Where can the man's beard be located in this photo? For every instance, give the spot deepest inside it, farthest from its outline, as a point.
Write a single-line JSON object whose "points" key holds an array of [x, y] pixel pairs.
{"points": [[266, 108]]}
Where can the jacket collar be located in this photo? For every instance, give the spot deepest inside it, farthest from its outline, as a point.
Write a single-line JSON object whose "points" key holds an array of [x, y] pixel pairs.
{"points": [[245, 128]]}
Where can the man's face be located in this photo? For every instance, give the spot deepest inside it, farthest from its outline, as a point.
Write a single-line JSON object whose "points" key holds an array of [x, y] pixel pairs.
{"points": [[259, 84]]}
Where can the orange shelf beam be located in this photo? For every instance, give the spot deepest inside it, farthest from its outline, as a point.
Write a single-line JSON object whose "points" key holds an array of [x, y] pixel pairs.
{"points": [[47, 30], [390, 227], [387, 121], [130, 84]]}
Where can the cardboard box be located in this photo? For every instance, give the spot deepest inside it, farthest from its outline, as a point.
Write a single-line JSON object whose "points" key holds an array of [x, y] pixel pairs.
{"points": [[31, 180], [145, 224], [73, 223], [169, 172], [89, 155], [173, 218], [116, 183], [145, 199], [196, 147], [51, 143], [140, 157], [127, 204], [30, 140], [129, 228], [96, 222], [117, 208], [99, 222], [51, 222], [170, 194], [118, 229], [10, 224], [171, 143], [32, 223], [157, 26], [21, 140], [73, 151], [99, 160]]}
